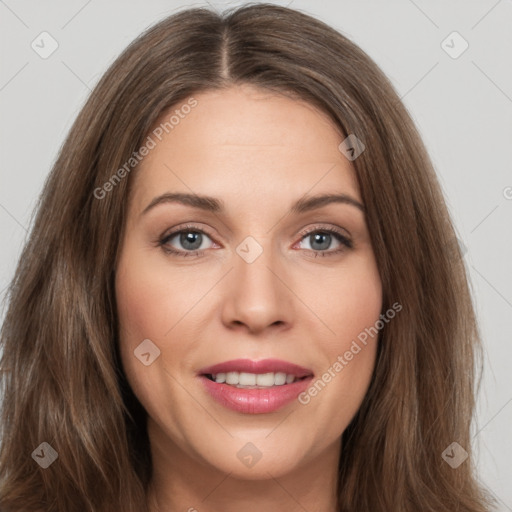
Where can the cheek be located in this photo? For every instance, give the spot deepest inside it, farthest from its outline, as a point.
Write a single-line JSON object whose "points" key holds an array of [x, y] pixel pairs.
{"points": [[353, 304], [139, 303], [144, 305], [148, 298], [352, 309]]}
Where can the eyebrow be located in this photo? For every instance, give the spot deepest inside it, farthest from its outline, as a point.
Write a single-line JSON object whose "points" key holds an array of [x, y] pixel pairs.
{"points": [[214, 205]]}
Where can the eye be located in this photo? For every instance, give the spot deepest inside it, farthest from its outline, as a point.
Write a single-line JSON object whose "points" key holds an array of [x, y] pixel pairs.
{"points": [[191, 241], [320, 240]]}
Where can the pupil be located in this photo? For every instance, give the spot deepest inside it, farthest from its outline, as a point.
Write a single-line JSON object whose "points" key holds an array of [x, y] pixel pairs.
{"points": [[318, 237]]}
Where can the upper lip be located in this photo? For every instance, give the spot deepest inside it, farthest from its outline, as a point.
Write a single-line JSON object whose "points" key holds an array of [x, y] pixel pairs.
{"points": [[262, 366]]}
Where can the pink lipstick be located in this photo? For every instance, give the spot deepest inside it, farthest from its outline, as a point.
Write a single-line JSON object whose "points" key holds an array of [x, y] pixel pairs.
{"points": [[255, 387]]}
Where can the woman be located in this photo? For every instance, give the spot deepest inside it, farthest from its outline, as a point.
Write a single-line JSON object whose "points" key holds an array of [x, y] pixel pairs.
{"points": [[253, 367]]}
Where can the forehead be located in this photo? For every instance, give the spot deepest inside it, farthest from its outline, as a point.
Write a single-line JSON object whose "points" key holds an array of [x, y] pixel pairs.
{"points": [[242, 143]]}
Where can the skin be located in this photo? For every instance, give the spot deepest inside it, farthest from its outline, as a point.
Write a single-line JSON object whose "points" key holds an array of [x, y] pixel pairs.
{"points": [[258, 152]]}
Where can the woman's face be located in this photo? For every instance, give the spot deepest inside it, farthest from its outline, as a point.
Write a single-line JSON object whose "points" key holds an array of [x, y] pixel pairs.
{"points": [[249, 277]]}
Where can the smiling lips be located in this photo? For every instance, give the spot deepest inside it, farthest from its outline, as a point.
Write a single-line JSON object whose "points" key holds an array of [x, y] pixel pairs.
{"points": [[255, 387]]}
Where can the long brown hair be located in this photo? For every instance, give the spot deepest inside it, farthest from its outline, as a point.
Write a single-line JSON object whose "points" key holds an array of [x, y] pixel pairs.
{"points": [[63, 383]]}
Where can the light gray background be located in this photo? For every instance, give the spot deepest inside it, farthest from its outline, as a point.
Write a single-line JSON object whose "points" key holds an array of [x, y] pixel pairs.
{"points": [[462, 107]]}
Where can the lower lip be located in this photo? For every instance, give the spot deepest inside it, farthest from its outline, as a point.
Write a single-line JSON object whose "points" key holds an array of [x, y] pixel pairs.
{"points": [[255, 401]]}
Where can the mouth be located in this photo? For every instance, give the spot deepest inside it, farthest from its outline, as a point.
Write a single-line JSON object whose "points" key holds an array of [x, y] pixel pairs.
{"points": [[255, 387]]}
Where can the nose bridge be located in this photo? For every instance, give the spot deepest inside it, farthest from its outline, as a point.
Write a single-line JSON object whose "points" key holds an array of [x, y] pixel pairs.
{"points": [[255, 258]]}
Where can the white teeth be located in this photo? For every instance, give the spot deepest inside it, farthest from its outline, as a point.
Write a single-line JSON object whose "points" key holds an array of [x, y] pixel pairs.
{"points": [[265, 379], [280, 378], [247, 379], [232, 378], [243, 379]]}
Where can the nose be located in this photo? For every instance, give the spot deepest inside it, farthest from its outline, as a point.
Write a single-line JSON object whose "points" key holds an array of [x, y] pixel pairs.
{"points": [[257, 294]]}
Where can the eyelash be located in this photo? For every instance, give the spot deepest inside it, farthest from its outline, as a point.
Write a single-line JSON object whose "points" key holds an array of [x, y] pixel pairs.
{"points": [[346, 243]]}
